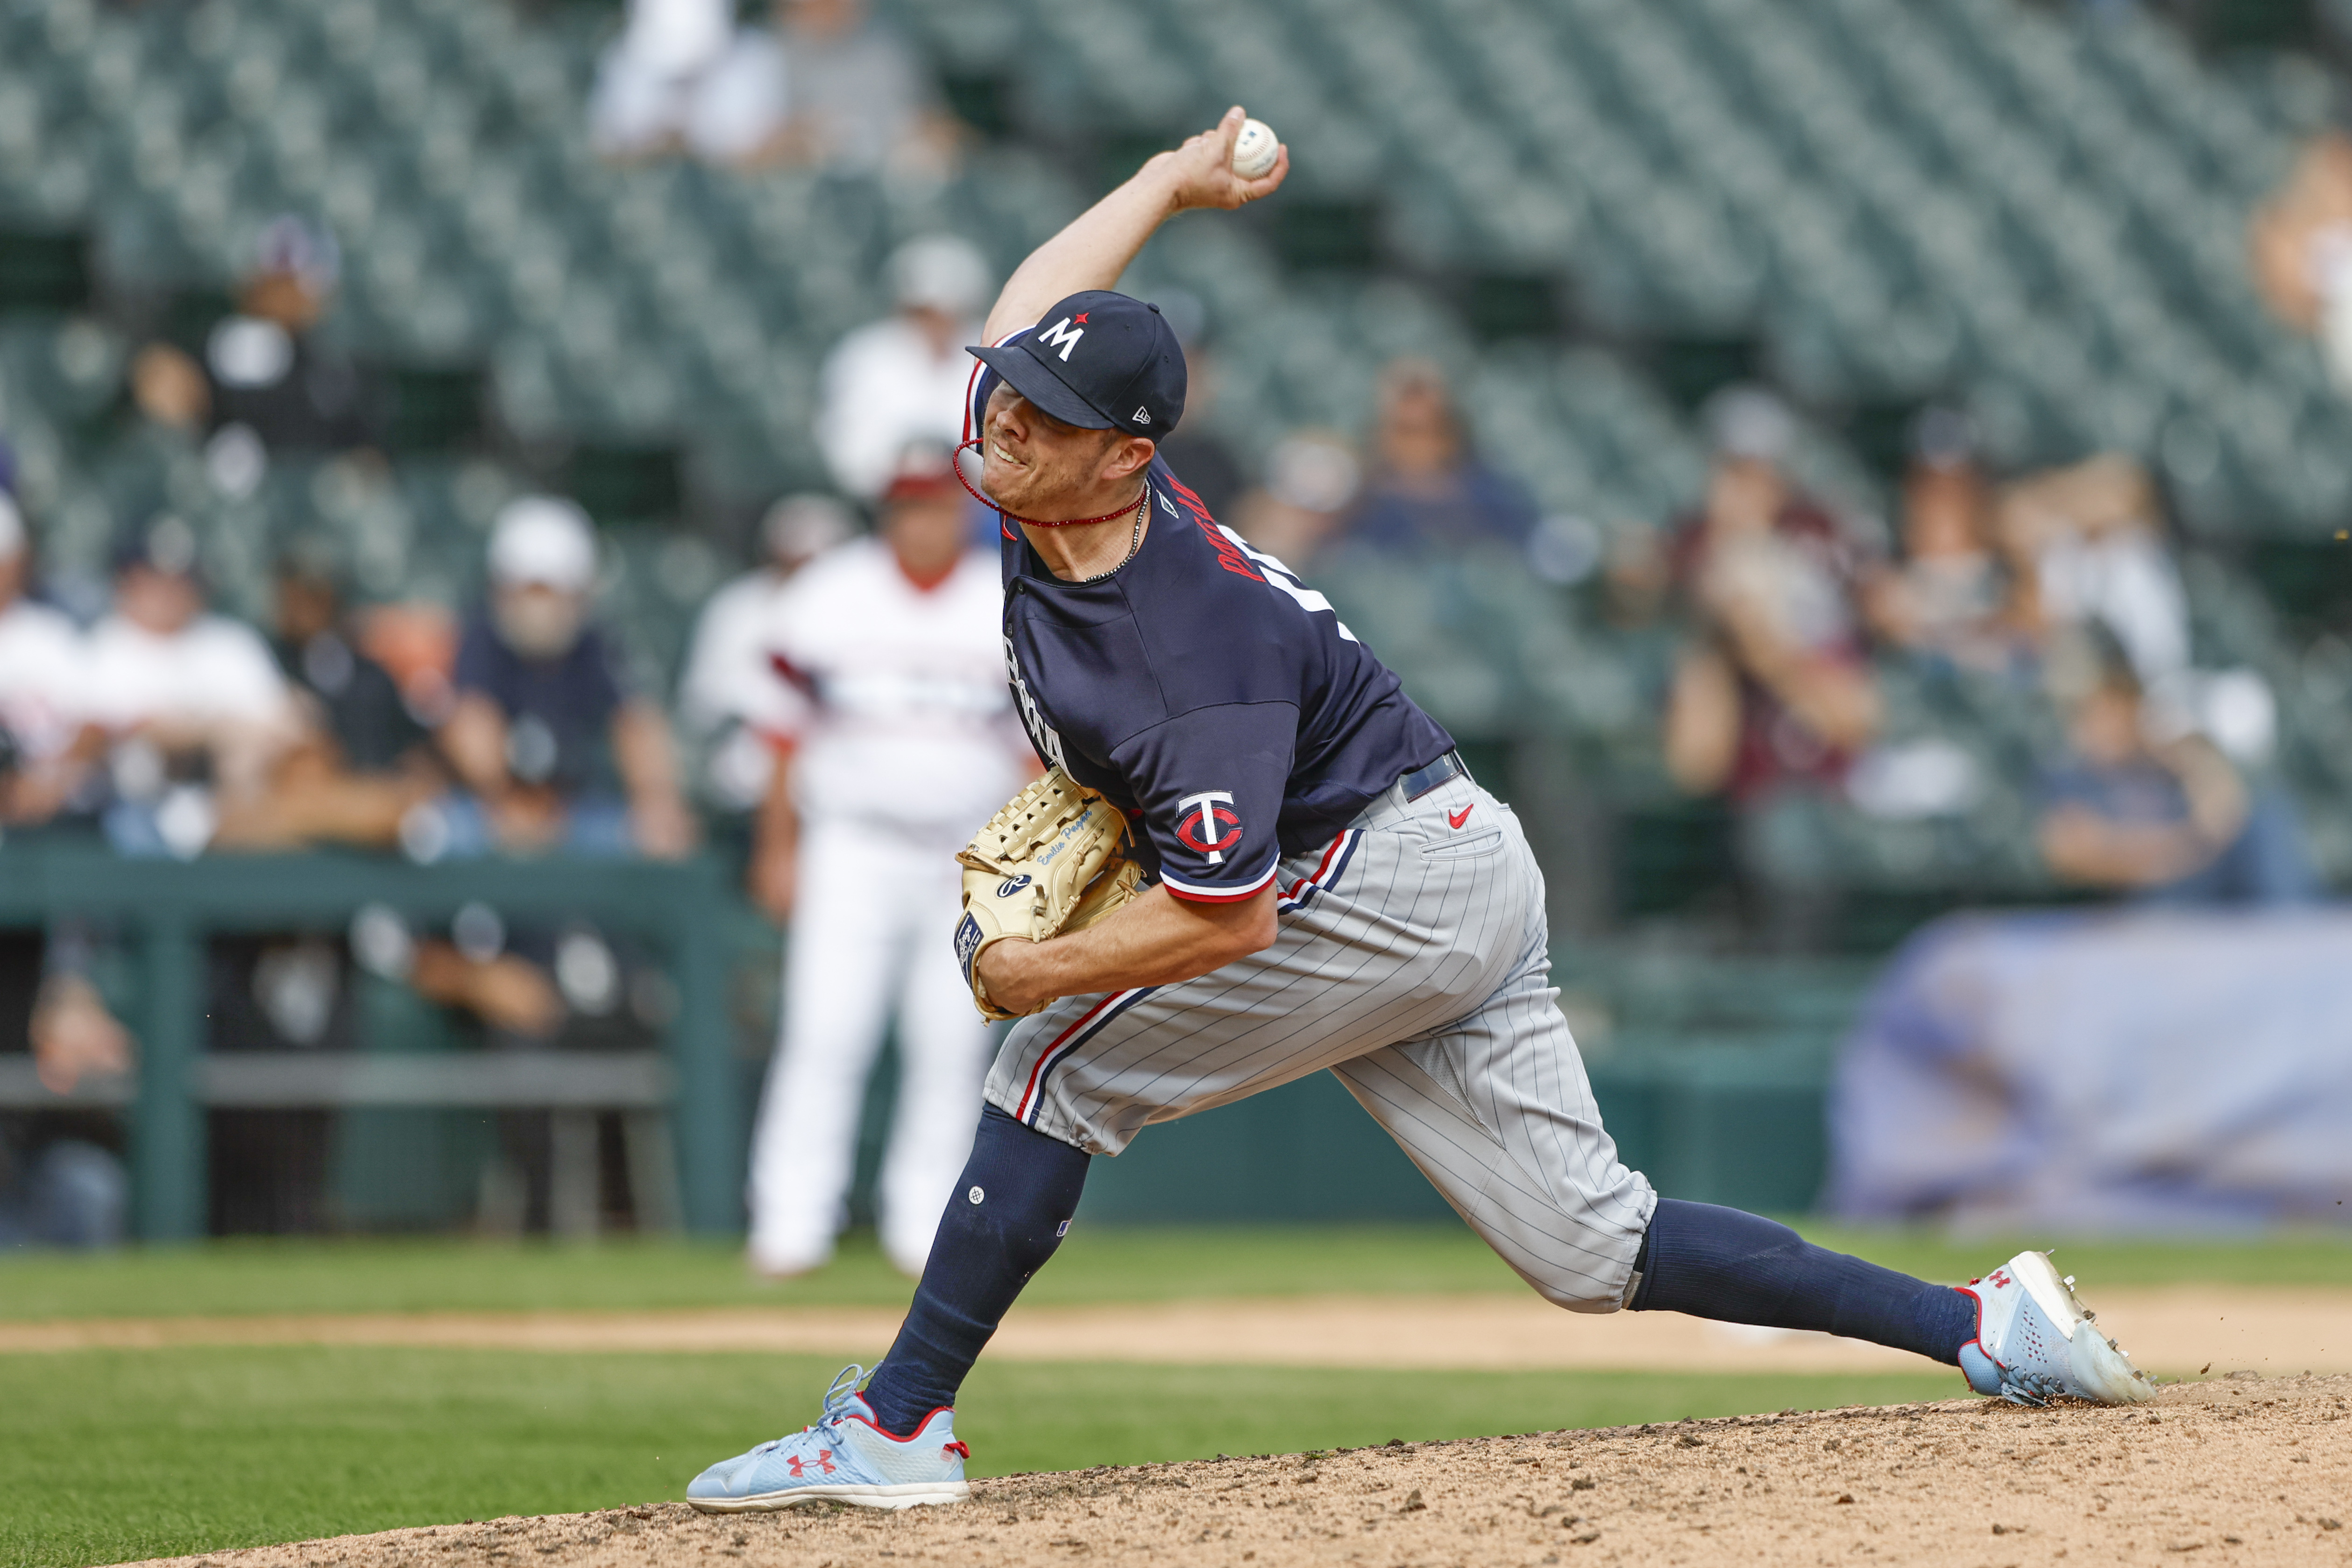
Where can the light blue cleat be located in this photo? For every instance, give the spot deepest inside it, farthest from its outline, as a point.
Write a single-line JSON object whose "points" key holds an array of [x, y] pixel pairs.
{"points": [[844, 1458], [2036, 1341]]}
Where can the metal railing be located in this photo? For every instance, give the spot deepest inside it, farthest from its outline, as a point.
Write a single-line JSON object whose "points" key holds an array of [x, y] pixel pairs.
{"points": [[166, 911]]}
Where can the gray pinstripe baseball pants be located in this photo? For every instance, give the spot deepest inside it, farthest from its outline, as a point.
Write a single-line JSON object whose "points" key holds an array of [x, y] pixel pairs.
{"points": [[1412, 963]]}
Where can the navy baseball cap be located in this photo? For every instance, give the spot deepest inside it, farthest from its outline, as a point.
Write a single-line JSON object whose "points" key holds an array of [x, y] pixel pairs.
{"points": [[1100, 360]]}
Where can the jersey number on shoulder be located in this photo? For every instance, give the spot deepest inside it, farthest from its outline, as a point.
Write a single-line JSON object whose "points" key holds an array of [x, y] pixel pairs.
{"points": [[1283, 579]]}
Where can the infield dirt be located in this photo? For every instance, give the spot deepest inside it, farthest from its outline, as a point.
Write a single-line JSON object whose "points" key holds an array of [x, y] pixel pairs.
{"points": [[2242, 1469]]}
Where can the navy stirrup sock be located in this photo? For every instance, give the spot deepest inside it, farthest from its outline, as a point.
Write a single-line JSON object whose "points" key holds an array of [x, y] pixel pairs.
{"points": [[1007, 1215], [1735, 1267]]}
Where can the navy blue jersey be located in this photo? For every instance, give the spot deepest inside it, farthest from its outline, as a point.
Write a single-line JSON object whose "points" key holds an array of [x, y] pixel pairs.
{"points": [[1209, 693]]}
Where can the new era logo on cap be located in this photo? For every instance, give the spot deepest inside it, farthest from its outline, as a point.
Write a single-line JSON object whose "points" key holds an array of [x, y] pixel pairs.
{"points": [[1129, 360]]}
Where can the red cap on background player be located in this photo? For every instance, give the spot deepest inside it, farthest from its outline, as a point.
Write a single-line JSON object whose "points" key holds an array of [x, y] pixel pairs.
{"points": [[925, 473]]}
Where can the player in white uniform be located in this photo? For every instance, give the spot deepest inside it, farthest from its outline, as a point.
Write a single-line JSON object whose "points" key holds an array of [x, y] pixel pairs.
{"points": [[901, 740]]}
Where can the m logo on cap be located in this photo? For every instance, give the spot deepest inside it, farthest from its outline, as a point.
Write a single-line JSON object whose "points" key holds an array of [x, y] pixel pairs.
{"points": [[1063, 336]]}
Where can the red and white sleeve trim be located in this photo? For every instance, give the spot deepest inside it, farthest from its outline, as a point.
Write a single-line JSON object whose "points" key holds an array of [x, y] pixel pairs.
{"points": [[1193, 893]]}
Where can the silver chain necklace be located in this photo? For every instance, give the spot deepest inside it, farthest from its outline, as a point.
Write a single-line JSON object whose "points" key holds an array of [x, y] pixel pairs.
{"points": [[1134, 539]]}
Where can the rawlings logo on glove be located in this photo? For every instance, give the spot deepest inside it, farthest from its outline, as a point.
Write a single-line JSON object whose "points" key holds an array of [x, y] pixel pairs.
{"points": [[1053, 860]]}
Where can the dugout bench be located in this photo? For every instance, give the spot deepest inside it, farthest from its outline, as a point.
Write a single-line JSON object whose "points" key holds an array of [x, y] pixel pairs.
{"points": [[683, 1101]]}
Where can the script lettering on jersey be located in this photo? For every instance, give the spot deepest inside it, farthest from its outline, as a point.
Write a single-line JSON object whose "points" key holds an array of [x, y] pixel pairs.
{"points": [[1235, 555], [1063, 336], [1042, 735], [1231, 559], [1229, 554], [1278, 576]]}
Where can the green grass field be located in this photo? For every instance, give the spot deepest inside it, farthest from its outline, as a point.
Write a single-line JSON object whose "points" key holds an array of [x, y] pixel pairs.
{"points": [[112, 1456], [118, 1455], [1142, 1265]]}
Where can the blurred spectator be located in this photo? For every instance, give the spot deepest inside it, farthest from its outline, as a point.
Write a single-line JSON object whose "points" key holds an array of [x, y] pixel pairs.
{"points": [[59, 1185], [198, 714], [362, 764], [2088, 546], [1637, 578], [857, 97], [728, 692], [357, 700], [900, 381], [505, 990], [544, 734], [1778, 694], [268, 384], [1774, 699], [2302, 244], [416, 644], [58, 1191], [651, 80], [2165, 816], [1427, 491], [824, 84], [899, 737], [47, 746], [1310, 477], [1950, 598]]}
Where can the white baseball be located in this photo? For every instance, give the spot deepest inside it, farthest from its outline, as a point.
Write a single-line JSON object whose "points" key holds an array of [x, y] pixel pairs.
{"points": [[1255, 149]]}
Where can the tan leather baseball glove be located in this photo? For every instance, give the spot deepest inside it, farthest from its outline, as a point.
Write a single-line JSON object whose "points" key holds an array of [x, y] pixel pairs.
{"points": [[1053, 860]]}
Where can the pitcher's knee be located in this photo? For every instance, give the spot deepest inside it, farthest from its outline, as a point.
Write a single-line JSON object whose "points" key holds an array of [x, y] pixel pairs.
{"points": [[1577, 1291], [1578, 1252]]}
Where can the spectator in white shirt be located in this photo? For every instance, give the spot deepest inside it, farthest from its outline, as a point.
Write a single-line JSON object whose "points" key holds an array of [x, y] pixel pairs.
{"points": [[901, 381], [824, 84], [2090, 542], [46, 746], [175, 686], [728, 692], [653, 74]]}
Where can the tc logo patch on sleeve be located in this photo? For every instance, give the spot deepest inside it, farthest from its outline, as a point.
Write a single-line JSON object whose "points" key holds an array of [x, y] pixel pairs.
{"points": [[1208, 824]]}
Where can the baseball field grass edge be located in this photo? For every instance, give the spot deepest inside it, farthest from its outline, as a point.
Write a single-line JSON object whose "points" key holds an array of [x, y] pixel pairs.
{"points": [[114, 1456], [1098, 1265]]}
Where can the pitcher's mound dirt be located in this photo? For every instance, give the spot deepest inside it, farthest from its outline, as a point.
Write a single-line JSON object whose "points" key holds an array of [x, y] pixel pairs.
{"points": [[2243, 1470]]}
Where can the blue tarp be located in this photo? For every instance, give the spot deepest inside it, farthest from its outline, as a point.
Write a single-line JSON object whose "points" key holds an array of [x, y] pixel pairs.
{"points": [[2114, 1071]]}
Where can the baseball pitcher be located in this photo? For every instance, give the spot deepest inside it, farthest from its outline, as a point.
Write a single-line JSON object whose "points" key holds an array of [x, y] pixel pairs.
{"points": [[1320, 886]]}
